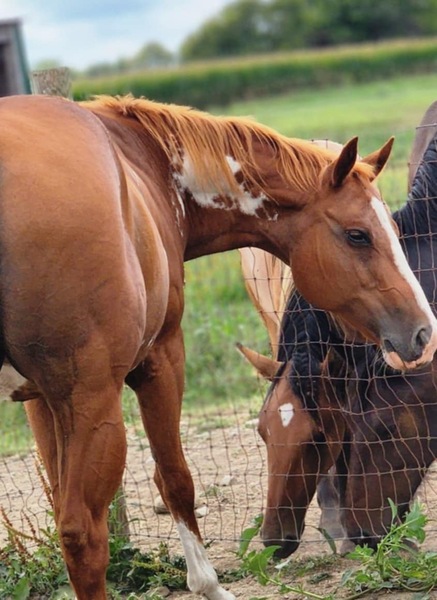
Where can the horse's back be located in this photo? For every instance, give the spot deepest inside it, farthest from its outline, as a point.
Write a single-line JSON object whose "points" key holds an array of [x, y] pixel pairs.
{"points": [[425, 132], [69, 278]]}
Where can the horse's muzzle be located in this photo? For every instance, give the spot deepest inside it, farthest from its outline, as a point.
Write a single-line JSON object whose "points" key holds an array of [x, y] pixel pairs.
{"points": [[410, 354], [287, 546]]}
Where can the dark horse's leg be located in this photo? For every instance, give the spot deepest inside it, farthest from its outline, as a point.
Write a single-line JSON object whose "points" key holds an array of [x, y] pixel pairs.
{"points": [[158, 383], [82, 443]]}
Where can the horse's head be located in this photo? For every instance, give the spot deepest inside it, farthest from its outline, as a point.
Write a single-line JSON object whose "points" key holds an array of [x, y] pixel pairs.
{"points": [[394, 425], [302, 444], [346, 258]]}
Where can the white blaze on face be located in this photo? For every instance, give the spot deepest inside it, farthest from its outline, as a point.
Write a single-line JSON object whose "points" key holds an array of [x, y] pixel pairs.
{"points": [[401, 263], [400, 259], [201, 577], [286, 412], [244, 201]]}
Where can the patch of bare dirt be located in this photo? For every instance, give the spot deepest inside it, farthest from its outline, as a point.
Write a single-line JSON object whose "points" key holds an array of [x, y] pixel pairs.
{"points": [[233, 456]]}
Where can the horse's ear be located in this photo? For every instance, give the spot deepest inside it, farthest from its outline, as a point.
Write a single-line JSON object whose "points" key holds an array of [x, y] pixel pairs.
{"points": [[340, 168], [266, 367], [379, 158]]}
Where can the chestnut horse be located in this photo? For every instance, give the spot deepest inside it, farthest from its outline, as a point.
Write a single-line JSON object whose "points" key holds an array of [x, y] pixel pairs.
{"points": [[328, 397], [100, 204]]}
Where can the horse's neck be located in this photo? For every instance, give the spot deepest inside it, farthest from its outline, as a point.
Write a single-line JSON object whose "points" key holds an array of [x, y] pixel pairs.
{"points": [[221, 218]]}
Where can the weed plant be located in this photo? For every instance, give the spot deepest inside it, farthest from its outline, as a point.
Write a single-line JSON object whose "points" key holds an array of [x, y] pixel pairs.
{"points": [[397, 564], [32, 566]]}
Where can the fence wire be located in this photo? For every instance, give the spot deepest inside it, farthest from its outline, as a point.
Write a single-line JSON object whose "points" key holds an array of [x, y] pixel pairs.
{"points": [[390, 448]]}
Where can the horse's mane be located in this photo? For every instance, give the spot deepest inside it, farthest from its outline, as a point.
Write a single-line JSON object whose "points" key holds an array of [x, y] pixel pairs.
{"points": [[419, 215], [304, 334], [208, 139]]}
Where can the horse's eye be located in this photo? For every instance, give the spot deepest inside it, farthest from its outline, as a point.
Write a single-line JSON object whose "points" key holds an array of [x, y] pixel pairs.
{"points": [[357, 237]]}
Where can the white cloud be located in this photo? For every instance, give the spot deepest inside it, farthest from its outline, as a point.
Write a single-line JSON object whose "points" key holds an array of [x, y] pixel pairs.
{"points": [[79, 33]]}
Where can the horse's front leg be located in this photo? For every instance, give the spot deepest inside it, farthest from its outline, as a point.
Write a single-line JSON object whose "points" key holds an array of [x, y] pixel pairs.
{"points": [[158, 383]]}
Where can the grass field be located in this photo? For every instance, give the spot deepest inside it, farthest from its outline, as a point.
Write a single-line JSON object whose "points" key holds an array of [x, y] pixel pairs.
{"points": [[218, 312]]}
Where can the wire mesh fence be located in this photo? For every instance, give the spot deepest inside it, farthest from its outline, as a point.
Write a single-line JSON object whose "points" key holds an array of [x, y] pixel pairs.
{"points": [[382, 439]]}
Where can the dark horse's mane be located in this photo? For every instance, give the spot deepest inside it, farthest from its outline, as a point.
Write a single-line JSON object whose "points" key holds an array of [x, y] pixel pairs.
{"points": [[307, 333], [417, 221], [419, 215]]}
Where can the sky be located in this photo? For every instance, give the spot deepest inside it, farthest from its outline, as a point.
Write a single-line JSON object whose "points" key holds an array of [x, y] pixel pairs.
{"points": [[79, 33]]}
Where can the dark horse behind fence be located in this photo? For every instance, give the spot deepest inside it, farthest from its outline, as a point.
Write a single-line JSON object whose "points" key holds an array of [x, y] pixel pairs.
{"points": [[100, 204], [332, 402]]}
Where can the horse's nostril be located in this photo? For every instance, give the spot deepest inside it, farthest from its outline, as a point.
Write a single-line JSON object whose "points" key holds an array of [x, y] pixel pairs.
{"points": [[415, 349], [388, 346], [422, 338]]}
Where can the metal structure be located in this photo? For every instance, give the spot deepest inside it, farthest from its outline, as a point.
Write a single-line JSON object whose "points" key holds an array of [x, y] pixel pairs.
{"points": [[13, 65]]}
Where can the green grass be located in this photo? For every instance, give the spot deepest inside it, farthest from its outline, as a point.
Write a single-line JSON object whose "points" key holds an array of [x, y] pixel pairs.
{"points": [[373, 111], [15, 435], [218, 313]]}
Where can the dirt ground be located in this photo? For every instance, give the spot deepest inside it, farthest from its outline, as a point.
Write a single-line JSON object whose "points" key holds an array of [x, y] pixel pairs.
{"points": [[229, 469]]}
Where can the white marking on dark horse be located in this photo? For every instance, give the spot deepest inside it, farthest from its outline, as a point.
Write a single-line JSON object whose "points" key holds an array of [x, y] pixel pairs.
{"points": [[286, 412]]}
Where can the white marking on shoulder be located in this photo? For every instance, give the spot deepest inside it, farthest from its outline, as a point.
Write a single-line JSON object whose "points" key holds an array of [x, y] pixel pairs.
{"points": [[286, 412], [234, 165], [247, 203], [400, 259], [210, 198], [201, 577], [179, 208], [181, 203]]}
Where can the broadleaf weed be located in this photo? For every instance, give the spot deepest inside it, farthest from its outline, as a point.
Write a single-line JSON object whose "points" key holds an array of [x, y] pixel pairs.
{"points": [[396, 564]]}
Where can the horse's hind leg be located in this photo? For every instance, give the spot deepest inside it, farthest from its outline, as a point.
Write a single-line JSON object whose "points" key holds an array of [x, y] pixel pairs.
{"points": [[42, 425], [158, 384], [91, 451]]}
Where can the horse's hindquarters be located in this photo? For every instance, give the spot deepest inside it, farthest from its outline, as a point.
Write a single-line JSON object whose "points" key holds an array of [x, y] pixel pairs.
{"points": [[65, 273], [73, 312]]}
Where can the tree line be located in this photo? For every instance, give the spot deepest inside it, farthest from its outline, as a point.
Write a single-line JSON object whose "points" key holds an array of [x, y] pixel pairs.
{"points": [[255, 26], [249, 27]]}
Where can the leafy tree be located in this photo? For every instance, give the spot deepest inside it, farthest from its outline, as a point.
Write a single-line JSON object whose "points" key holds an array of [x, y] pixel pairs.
{"points": [[240, 28], [152, 55], [255, 26], [349, 21]]}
